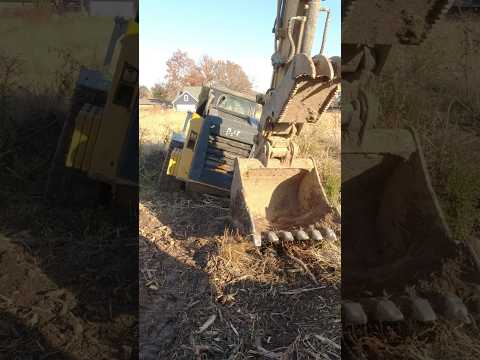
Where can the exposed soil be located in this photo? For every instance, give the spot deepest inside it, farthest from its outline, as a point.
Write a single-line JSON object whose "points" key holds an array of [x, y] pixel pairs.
{"points": [[68, 283], [207, 293]]}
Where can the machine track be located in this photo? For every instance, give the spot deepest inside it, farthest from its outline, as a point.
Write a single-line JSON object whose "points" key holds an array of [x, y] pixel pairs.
{"points": [[321, 91]]}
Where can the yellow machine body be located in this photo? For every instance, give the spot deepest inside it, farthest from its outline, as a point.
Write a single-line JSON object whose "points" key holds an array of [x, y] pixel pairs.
{"points": [[184, 159], [87, 126], [223, 128], [118, 111], [101, 132]]}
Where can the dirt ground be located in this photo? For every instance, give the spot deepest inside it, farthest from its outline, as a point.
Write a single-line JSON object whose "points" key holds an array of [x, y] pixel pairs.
{"points": [[64, 293], [207, 293], [68, 272]]}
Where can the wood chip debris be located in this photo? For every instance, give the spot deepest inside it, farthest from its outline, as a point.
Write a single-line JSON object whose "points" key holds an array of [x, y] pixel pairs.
{"points": [[327, 341], [207, 324], [264, 352], [299, 291], [304, 266], [234, 330]]}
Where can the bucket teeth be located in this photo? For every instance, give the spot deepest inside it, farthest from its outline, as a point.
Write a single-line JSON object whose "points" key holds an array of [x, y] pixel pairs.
{"points": [[353, 314], [301, 235], [257, 239], [272, 237], [286, 235], [315, 235], [382, 310], [451, 307], [416, 308], [330, 234]]}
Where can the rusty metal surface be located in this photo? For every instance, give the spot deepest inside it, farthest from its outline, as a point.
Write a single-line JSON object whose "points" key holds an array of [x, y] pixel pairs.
{"points": [[266, 199], [308, 100]]}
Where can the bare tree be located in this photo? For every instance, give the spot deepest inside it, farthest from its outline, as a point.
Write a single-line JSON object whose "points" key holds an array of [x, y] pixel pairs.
{"points": [[194, 77], [182, 71], [159, 91], [226, 73], [232, 76], [144, 92], [208, 68]]}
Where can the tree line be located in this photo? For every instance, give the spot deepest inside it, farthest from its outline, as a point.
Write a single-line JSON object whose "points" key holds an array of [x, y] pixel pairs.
{"points": [[183, 71]]}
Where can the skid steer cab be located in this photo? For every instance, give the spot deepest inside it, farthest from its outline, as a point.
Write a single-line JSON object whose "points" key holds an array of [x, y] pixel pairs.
{"points": [[223, 128]]}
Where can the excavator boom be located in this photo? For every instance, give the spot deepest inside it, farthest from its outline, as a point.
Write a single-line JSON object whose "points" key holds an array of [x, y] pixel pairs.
{"points": [[277, 195]]}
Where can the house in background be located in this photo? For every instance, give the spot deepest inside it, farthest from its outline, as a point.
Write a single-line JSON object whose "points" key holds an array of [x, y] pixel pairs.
{"points": [[187, 99]]}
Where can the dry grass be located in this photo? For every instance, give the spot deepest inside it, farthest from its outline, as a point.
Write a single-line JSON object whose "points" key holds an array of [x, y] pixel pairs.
{"points": [[321, 141], [156, 128], [38, 35], [441, 101], [443, 340], [157, 125]]}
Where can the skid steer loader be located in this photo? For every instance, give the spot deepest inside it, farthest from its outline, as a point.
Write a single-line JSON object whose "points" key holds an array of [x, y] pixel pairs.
{"points": [[277, 196], [223, 127], [394, 233], [97, 151]]}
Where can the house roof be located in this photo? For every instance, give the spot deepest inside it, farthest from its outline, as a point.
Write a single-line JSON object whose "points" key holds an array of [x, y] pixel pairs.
{"points": [[194, 91]]}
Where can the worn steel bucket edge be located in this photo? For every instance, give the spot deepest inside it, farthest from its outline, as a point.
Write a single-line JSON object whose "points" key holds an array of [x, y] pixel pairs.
{"points": [[261, 195]]}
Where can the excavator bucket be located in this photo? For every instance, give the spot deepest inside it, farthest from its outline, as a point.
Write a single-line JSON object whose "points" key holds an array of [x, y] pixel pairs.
{"points": [[287, 201], [272, 202], [393, 227]]}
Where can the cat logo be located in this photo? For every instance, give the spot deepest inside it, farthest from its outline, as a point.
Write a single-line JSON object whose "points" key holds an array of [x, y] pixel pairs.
{"points": [[232, 132]]}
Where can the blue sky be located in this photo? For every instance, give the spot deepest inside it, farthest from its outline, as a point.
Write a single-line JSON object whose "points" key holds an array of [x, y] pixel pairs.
{"points": [[236, 30]]}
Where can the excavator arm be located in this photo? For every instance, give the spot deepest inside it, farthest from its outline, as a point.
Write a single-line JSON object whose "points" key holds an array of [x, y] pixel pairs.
{"points": [[302, 85], [277, 196]]}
